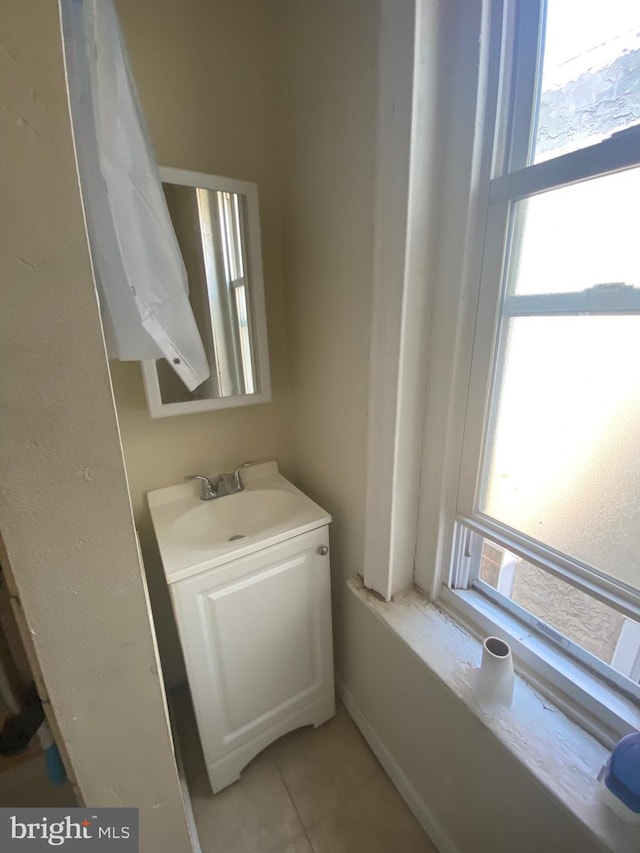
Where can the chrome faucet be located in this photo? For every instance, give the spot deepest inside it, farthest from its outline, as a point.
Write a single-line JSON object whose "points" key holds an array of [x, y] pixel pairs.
{"points": [[207, 490], [237, 479], [221, 485]]}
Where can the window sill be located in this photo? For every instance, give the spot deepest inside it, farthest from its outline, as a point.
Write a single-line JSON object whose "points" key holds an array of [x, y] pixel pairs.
{"points": [[596, 707], [559, 753]]}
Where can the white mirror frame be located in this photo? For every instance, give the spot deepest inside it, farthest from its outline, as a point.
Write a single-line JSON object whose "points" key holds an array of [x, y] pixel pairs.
{"points": [[159, 409]]}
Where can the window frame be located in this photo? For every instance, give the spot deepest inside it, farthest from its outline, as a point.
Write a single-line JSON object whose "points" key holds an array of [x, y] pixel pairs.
{"points": [[471, 581], [603, 711], [432, 178], [499, 186]]}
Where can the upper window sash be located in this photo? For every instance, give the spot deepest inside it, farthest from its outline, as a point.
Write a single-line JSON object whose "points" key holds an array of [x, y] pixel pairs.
{"points": [[519, 87], [522, 53]]}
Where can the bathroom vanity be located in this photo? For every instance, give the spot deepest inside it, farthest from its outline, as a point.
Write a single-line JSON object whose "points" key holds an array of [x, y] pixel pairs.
{"points": [[249, 580]]}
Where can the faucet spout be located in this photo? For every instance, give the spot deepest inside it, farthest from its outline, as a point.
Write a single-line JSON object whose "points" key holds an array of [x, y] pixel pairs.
{"points": [[237, 479]]}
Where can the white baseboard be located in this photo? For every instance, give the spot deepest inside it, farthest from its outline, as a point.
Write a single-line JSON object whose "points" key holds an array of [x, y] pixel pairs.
{"points": [[412, 798]]}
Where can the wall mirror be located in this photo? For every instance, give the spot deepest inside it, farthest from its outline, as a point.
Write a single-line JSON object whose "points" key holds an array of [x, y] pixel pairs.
{"points": [[218, 229]]}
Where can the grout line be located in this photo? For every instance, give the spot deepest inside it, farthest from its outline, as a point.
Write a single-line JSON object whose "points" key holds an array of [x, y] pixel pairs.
{"points": [[293, 803], [377, 770]]}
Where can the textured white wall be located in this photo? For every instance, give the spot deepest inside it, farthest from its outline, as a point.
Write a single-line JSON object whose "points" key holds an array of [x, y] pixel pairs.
{"points": [[206, 75], [65, 514]]}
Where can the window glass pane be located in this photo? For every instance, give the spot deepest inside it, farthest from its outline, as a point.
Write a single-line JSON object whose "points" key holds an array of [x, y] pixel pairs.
{"points": [[597, 627], [563, 459], [578, 237], [590, 85]]}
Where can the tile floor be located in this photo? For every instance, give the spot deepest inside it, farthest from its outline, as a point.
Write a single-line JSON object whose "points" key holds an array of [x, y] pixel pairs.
{"points": [[313, 791]]}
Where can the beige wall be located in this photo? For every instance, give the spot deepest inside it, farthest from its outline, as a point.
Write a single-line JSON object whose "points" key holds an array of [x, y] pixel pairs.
{"points": [[65, 514], [329, 84], [205, 71]]}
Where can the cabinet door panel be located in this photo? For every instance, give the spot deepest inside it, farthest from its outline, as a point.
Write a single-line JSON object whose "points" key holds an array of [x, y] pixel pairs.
{"points": [[265, 642]]}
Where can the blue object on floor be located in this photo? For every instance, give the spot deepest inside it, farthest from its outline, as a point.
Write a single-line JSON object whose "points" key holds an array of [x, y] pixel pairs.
{"points": [[55, 768]]}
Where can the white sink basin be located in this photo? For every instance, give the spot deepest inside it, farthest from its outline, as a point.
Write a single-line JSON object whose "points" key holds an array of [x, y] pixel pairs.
{"points": [[233, 517], [195, 535]]}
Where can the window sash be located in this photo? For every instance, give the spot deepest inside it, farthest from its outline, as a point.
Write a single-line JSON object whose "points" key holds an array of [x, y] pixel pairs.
{"points": [[524, 26], [581, 694], [610, 591], [598, 300], [618, 152], [508, 179], [465, 575], [580, 654], [496, 306]]}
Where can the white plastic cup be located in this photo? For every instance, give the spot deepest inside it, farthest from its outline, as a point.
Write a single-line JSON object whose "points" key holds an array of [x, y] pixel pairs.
{"points": [[493, 684]]}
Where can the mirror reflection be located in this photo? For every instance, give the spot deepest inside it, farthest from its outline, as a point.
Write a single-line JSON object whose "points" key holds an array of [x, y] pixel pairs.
{"points": [[211, 227]]}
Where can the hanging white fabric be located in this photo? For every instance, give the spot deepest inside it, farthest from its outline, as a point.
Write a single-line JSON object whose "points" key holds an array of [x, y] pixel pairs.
{"points": [[139, 270]]}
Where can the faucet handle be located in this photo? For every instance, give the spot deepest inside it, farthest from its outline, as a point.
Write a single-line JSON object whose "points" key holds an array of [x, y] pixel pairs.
{"points": [[236, 474], [207, 490]]}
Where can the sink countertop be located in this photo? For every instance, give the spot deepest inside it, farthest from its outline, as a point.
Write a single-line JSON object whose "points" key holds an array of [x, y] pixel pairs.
{"points": [[169, 508]]}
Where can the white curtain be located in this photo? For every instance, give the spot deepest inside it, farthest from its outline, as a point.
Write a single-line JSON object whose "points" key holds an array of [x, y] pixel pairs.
{"points": [[139, 270]]}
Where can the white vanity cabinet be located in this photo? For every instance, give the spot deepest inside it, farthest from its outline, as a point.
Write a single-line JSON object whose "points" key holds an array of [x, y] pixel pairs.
{"points": [[256, 636]]}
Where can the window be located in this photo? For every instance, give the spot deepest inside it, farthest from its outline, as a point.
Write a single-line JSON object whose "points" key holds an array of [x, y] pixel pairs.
{"points": [[547, 522]]}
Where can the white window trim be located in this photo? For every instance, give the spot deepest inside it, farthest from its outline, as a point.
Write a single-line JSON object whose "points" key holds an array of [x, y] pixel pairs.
{"points": [[465, 173], [419, 251], [405, 168], [410, 507]]}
